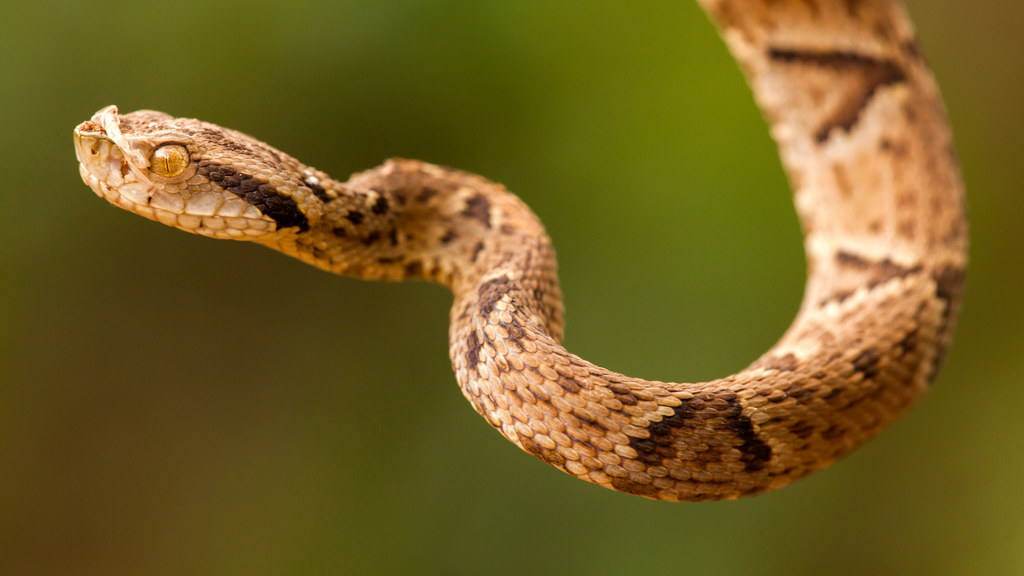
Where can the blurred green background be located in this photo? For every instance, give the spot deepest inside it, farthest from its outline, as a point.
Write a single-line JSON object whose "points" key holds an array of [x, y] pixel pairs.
{"points": [[176, 405]]}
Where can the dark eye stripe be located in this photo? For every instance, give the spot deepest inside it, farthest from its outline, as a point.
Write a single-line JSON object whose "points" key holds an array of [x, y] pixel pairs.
{"points": [[264, 197]]}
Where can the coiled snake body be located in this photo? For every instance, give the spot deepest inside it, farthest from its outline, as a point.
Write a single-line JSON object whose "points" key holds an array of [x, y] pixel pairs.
{"points": [[863, 136]]}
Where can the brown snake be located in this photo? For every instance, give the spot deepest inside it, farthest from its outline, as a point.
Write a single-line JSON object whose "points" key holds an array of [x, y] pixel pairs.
{"points": [[863, 137]]}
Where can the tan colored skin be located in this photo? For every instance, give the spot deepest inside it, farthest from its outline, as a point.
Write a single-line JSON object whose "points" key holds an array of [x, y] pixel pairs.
{"points": [[863, 136]]}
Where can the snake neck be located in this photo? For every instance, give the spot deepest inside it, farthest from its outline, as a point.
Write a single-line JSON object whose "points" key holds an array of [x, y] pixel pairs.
{"points": [[409, 220]]}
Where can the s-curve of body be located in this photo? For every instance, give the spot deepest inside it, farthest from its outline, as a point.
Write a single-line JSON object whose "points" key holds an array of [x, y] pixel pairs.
{"points": [[863, 136]]}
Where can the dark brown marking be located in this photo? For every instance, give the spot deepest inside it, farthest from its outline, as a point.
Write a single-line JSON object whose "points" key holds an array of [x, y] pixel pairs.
{"points": [[812, 7], [371, 238], [866, 363], [570, 385], [897, 149], [264, 197], [628, 486], [426, 194], [399, 195], [583, 416], [833, 432], [515, 332], [879, 271], [478, 208], [851, 259], [355, 217], [906, 228], [314, 185], [949, 283], [228, 143], [908, 344], [550, 456], [658, 445], [646, 450], [476, 251], [949, 286], [448, 237], [490, 292], [875, 74], [623, 394], [802, 429], [472, 350], [799, 392], [852, 6], [909, 113], [414, 269], [755, 453], [838, 297], [380, 206], [784, 363], [340, 232]]}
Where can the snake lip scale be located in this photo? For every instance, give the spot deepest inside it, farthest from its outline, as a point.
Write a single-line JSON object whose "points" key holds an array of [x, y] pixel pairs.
{"points": [[864, 139]]}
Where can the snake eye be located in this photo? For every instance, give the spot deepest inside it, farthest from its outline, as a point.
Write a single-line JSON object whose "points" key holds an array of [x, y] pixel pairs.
{"points": [[169, 160]]}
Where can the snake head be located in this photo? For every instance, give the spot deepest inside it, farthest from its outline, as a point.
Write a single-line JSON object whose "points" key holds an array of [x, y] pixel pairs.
{"points": [[188, 174]]}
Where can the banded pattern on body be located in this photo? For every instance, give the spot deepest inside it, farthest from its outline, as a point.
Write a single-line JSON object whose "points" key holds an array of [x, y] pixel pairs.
{"points": [[863, 137]]}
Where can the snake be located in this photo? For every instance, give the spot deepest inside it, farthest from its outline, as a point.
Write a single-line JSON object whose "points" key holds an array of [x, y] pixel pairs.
{"points": [[865, 142]]}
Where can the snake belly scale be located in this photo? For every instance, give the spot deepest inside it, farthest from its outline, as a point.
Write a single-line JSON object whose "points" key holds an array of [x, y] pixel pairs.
{"points": [[863, 137]]}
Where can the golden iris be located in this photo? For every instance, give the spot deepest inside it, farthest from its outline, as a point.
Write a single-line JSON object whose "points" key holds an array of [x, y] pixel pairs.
{"points": [[169, 160]]}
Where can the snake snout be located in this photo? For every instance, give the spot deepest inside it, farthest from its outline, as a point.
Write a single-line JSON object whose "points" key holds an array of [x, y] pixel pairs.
{"points": [[104, 168], [91, 148], [99, 160]]}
